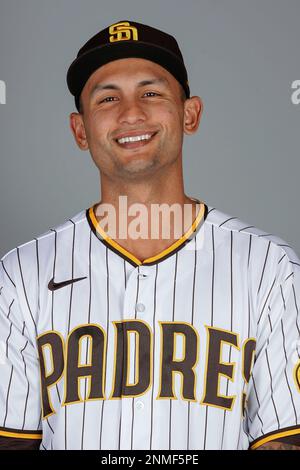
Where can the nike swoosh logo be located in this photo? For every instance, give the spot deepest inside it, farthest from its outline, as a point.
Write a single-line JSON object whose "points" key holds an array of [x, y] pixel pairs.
{"points": [[58, 285]]}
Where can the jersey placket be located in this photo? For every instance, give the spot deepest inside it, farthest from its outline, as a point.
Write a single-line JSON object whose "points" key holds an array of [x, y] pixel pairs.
{"points": [[136, 409]]}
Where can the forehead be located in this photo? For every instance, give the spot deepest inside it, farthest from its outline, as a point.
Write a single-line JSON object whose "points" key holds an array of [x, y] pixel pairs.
{"points": [[128, 69]]}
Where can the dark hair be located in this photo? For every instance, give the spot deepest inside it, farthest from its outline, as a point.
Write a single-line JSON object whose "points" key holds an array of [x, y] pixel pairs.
{"points": [[182, 93], [182, 96], [80, 105]]}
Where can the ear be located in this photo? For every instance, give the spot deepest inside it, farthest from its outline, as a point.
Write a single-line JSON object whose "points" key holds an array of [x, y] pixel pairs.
{"points": [[78, 130], [193, 108]]}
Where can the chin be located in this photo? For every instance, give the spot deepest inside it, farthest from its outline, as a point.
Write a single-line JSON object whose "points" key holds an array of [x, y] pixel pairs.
{"points": [[141, 167]]}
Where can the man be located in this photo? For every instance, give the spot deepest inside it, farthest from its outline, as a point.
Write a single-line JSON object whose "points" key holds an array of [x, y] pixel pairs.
{"points": [[185, 340]]}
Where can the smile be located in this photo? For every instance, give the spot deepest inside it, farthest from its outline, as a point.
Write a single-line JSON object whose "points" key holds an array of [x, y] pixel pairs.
{"points": [[135, 141], [136, 138]]}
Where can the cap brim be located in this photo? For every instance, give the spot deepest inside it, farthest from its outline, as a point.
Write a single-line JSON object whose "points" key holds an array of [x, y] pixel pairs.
{"points": [[82, 68]]}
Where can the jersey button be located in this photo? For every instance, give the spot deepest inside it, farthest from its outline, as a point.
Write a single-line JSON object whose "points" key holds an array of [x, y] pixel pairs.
{"points": [[142, 276], [139, 405], [140, 307]]}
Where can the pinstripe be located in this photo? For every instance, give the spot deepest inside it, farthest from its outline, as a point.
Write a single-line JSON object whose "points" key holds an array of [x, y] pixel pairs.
{"points": [[269, 369], [212, 316], [135, 346], [192, 322], [194, 280], [227, 220], [282, 258], [249, 250], [120, 421], [283, 300], [39, 309], [249, 434], [153, 361], [49, 425], [38, 270], [245, 228], [240, 428], [5, 270], [295, 299], [28, 385], [231, 325], [245, 386], [248, 293], [53, 274], [285, 373], [69, 316], [267, 298], [72, 275], [40, 420], [120, 425], [136, 298], [124, 264], [256, 396], [265, 235], [25, 293], [7, 396], [213, 276], [107, 332], [243, 424], [294, 262], [173, 317], [248, 418], [52, 294], [9, 308], [292, 274], [7, 339], [263, 271], [88, 341], [297, 315]]}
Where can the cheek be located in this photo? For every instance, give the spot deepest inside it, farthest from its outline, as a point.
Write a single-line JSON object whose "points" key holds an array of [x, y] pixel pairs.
{"points": [[169, 116], [174, 121], [97, 129], [173, 111]]}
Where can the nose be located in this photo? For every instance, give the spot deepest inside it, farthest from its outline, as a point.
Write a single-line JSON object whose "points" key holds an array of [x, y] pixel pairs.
{"points": [[132, 112]]}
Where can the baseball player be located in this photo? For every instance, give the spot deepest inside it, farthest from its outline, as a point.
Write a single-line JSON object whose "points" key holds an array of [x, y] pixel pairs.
{"points": [[189, 341]]}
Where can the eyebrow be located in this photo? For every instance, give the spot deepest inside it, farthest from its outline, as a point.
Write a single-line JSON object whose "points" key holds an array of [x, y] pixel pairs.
{"points": [[112, 86]]}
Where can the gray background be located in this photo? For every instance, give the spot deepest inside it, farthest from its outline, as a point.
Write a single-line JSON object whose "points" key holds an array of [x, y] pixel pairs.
{"points": [[242, 56]]}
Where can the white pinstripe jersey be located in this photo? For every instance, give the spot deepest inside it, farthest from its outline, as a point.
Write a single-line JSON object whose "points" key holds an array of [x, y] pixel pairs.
{"points": [[195, 348]]}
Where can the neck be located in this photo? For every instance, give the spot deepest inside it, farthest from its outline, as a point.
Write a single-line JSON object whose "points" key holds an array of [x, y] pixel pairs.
{"points": [[165, 186], [137, 201]]}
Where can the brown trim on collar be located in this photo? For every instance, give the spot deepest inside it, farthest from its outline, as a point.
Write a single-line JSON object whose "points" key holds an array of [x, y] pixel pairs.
{"points": [[125, 254]]}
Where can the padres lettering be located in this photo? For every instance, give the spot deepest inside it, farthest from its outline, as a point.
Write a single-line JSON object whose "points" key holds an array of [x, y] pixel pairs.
{"points": [[122, 32], [65, 359]]}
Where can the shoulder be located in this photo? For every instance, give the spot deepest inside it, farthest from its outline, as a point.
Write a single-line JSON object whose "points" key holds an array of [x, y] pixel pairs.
{"points": [[226, 225], [27, 255], [265, 256]]}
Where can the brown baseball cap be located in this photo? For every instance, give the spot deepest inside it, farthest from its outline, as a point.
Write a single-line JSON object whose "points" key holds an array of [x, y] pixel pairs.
{"points": [[122, 40]]}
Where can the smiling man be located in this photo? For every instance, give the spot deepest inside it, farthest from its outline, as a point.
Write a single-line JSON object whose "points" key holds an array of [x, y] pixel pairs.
{"points": [[149, 320]]}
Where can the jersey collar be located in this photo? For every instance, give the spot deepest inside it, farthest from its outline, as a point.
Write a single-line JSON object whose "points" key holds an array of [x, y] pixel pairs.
{"points": [[171, 250]]}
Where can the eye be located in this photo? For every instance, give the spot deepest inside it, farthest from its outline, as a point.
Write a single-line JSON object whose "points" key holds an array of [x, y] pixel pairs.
{"points": [[108, 99], [151, 93]]}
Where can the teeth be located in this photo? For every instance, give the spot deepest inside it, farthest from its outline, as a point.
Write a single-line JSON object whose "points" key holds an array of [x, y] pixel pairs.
{"points": [[136, 138]]}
